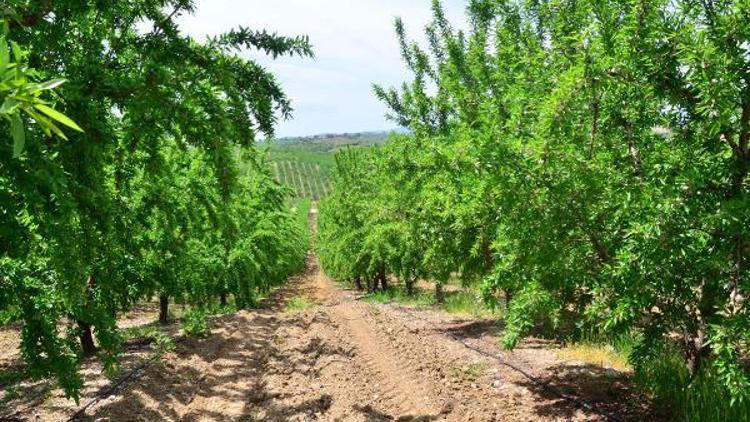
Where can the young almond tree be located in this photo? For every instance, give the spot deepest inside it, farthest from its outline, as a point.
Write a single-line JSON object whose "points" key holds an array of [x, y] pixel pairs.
{"points": [[589, 161], [87, 226]]}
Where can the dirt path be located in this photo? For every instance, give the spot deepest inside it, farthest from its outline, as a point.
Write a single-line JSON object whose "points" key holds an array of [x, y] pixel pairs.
{"points": [[344, 359]]}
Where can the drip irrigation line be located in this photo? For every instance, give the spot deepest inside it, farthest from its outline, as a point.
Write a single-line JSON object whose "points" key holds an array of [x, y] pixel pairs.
{"points": [[545, 385], [121, 382], [134, 373]]}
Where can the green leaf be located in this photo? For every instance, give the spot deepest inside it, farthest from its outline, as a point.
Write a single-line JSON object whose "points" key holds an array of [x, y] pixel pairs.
{"points": [[8, 106], [19, 135], [51, 112], [44, 123], [4, 54], [17, 52], [52, 84]]}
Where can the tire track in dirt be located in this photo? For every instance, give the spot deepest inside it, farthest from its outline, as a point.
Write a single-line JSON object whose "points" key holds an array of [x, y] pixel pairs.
{"points": [[340, 360], [350, 361], [406, 392], [421, 368]]}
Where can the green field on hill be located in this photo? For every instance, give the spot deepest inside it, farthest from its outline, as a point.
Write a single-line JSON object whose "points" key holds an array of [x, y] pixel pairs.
{"points": [[305, 163]]}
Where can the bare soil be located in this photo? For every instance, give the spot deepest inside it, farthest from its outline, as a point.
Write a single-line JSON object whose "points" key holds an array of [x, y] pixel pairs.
{"points": [[343, 359]]}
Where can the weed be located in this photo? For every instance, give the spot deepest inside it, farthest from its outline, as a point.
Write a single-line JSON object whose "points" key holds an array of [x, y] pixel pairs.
{"points": [[465, 303], [419, 299], [219, 309], [196, 322], [161, 340], [297, 304], [13, 376], [470, 372], [164, 343], [11, 393], [141, 331], [702, 399], [603, 355]]}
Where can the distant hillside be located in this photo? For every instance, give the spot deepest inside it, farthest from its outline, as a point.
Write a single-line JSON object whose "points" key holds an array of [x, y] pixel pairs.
{"points": [[332, 141], [305, 163]]}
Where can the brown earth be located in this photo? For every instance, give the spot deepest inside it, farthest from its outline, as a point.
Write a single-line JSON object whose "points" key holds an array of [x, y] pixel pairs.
{"points": [[342, 359]]}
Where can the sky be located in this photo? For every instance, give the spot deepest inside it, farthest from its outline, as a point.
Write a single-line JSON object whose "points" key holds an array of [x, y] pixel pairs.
{"points": [[355, 46]]}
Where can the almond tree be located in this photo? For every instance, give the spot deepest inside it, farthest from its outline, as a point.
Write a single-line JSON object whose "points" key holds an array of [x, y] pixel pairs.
{"points": [[589, 161], [87, 224]]}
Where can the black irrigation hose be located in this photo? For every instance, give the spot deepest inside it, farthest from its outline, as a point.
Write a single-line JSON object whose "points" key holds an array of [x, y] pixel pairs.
{"points": [[134, 373], [131, 375], [100, 396], [538, 382]]}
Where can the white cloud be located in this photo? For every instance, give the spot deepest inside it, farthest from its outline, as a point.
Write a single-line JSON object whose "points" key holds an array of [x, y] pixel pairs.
{"points": [[355, 46]]}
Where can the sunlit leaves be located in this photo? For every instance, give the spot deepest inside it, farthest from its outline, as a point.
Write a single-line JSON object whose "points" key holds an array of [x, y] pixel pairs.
{"points": [[56, 115], [150, 196], [594, 155]]}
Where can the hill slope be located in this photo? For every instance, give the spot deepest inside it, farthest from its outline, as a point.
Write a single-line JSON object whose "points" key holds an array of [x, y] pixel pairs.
{"points": [[305, 163]]}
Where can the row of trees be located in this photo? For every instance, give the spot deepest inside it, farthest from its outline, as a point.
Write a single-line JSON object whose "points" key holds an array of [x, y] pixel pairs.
{"points": [[155, 190], [586, 160]]}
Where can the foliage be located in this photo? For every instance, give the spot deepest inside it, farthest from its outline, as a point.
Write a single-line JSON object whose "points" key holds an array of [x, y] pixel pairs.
{"points": [[150, 197], [196, 322], [20, 95], [702, 398], [297, 304], [587, 160]]}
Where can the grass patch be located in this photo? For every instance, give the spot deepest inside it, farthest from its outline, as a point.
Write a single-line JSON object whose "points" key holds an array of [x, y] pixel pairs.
{"points": [[702, 399], [11, 393], [470, 372], [13, 376], [603, 355], [461, 303], [298, 304], [140, 331], [196, 322], [466, 303], [420, 299], [666, 379], [161, 340]]}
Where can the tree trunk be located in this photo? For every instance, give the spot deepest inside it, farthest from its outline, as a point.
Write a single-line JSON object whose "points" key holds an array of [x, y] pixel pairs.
{"points": [[358, 282], [223, 298], [508, 297], [372, 284], [439, 295], [634, 151], [410, 286], [382, 277], [602, 252], [383, 283], [163, 309], [695, 352], [87, 339], [487, 255]]}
